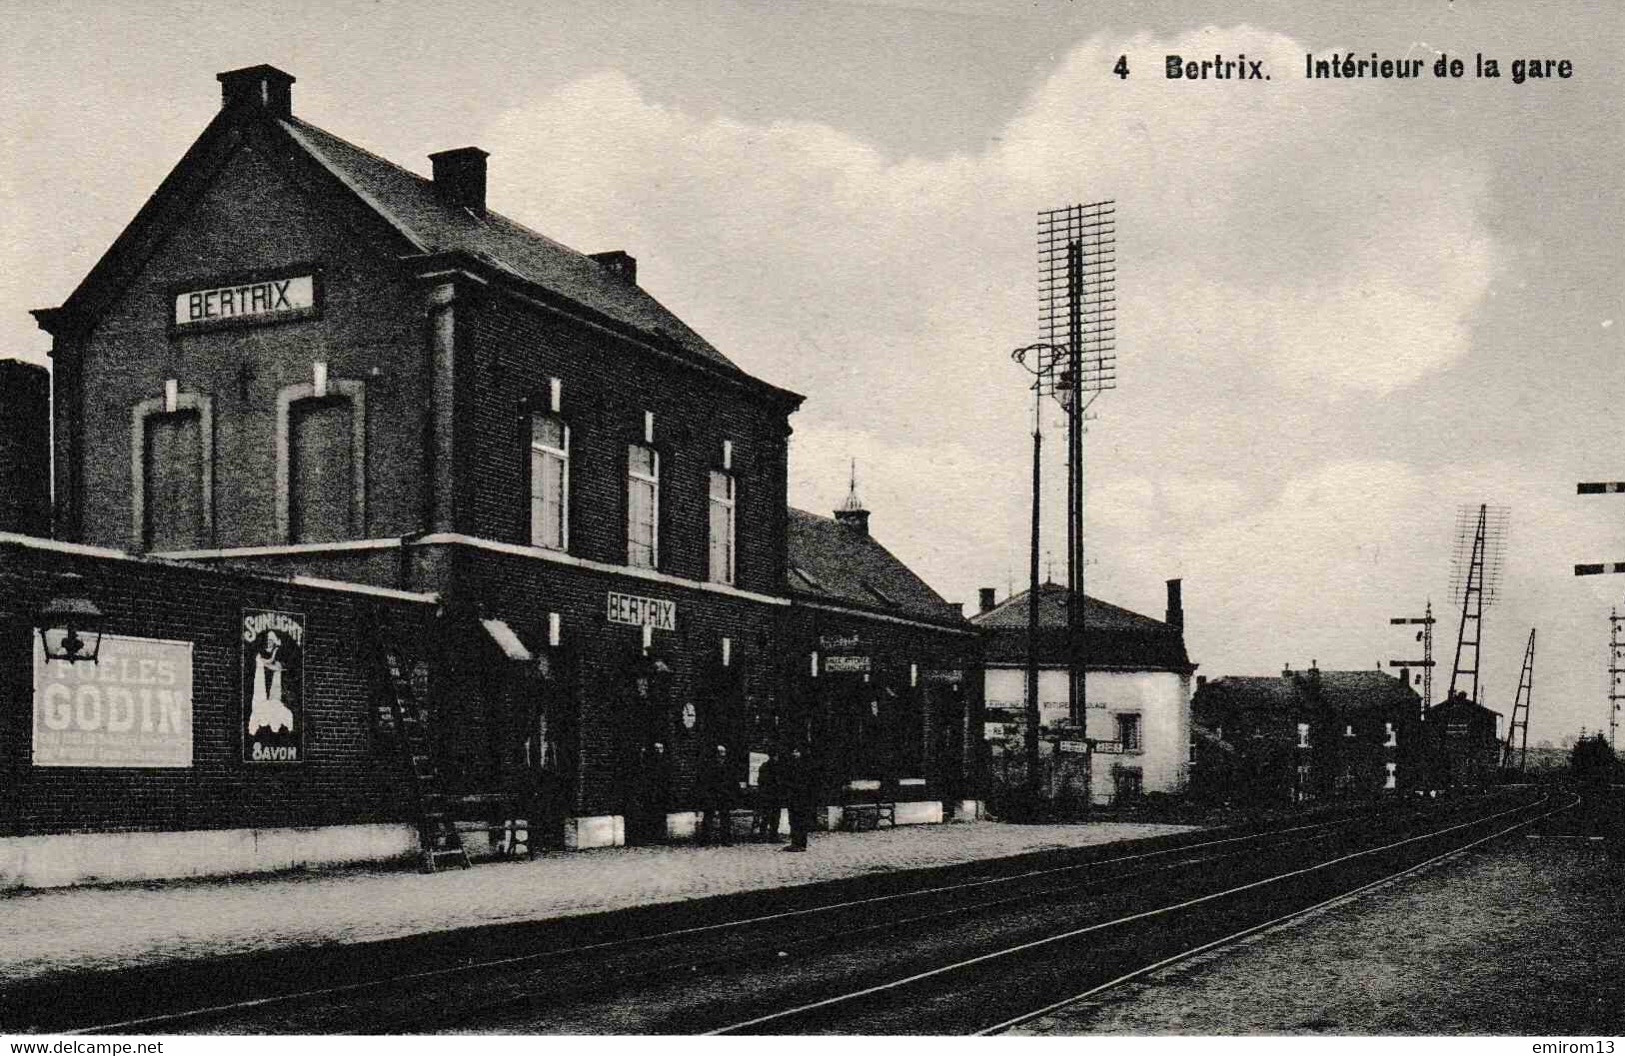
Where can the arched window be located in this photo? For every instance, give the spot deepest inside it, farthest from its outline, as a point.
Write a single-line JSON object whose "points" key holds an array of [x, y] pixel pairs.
{"points": [[172, 472], [321, 445]]}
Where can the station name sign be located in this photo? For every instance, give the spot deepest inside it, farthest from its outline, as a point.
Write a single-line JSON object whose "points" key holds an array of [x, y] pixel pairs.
{"points": [[262, 301], [642, 612], [846, 665]]}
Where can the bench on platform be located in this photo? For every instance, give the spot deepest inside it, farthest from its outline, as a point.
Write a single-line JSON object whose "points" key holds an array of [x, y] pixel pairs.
{"points": [[864, 806]]}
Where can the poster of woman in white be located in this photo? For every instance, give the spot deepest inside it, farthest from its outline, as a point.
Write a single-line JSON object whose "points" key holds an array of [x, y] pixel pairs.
{"points": [[273, 685]]}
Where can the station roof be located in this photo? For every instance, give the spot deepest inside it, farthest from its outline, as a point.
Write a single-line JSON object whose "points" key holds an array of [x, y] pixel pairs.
{"points": [[409, 202], [843, 564], [425, 223]]}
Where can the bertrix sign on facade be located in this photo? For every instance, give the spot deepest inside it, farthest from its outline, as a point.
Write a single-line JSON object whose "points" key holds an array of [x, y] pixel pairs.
{"points": [[640, 612], [250, 301], [133, 707]]}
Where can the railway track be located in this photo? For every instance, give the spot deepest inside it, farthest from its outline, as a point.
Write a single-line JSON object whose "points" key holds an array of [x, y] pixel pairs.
{"points": [[930, 957]]}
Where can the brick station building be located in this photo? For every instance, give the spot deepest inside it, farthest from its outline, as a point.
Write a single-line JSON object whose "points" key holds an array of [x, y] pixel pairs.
{"points": [[301, 360]]}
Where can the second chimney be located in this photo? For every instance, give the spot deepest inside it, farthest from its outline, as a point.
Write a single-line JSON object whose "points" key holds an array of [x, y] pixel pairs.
{"points": [[1176, 606], [986, 598], [619, 263], [459, 177]]}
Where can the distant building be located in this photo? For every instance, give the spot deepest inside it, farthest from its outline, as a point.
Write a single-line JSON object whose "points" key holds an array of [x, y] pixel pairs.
{"points": [[1305, 735], [1461, 743], [1137, 683]]}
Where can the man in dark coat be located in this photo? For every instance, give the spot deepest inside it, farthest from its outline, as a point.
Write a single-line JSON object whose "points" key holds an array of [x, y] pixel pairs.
{"points": [[769, 800], [800, 791], [717, 798]]}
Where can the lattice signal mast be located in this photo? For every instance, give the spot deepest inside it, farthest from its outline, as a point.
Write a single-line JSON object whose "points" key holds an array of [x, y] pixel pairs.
{"points": [[1425, 636], [1518, 728], [1616, 674], [1475, 577], [1077, 317]]}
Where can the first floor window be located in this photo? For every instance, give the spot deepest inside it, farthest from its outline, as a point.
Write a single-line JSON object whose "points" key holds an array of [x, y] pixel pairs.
{"points": [[1303, 735], [549, 482], [1128, 732], [321, 469], [722, 527], [173, 467], [642, 506]]}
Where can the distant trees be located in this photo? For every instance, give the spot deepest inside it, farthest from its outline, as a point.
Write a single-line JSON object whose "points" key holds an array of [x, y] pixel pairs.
{"points": [[1592, 761]]}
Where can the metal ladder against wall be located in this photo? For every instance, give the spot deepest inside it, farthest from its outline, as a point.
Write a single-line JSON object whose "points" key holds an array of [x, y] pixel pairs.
{"points": [[402, 724], [1518, 728]]}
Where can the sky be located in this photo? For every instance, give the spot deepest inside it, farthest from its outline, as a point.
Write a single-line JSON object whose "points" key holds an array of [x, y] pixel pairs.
{"points": [[1346, 308]]}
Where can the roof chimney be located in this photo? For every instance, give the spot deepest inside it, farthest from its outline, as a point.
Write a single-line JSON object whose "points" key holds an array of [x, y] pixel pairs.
{"points": [[987, 595], [459, 177], [257, 88], [852, 514], [1176, 606], [619, 263]]}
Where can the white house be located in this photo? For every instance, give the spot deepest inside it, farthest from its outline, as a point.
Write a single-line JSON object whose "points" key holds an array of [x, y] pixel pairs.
{"points": [[1137, 685]]}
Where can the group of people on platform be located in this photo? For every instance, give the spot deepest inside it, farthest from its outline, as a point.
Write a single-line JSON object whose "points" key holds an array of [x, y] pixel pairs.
{"points": [[783, 781]]}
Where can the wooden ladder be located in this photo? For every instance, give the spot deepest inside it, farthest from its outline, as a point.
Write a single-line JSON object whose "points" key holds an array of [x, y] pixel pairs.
{"points": [[402, 722]]}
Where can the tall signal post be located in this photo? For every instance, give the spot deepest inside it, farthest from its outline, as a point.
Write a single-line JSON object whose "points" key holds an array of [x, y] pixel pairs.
{"points": [[1425, 636], [1475, 577], [1615, 670]]}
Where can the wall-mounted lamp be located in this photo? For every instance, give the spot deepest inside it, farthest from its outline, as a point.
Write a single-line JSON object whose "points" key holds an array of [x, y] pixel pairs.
{"points": [[70, 624]]}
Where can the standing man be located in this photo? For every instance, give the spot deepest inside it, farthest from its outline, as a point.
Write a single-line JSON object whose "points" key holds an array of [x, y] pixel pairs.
{"points": [[800, 792], [769, 799], [717, 792]]}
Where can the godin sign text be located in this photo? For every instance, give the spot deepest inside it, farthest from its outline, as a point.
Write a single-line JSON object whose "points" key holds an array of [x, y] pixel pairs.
{"points": [[131, 708]]}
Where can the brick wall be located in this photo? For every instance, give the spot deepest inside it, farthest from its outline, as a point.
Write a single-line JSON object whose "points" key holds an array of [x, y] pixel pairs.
{"points": [[261, 212], [607, 384], [344, 777], [609, 726], [950, 725]]}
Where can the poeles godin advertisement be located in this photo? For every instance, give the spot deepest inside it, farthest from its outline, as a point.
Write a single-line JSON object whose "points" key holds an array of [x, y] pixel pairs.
{"points": [[273, 686]]}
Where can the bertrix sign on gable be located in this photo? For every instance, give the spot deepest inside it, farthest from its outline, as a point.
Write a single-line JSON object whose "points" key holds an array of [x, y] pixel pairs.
{"points": [[265, 300], [133, 707]]}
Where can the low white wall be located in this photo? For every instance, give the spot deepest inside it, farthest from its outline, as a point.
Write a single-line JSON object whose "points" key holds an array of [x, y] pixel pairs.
{"points": [[598, 830], [924, 812], [63, 859]]}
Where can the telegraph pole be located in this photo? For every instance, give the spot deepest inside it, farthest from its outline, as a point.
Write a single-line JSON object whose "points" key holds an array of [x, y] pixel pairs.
{"points": [[1425, 636], [1616, 673]]}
